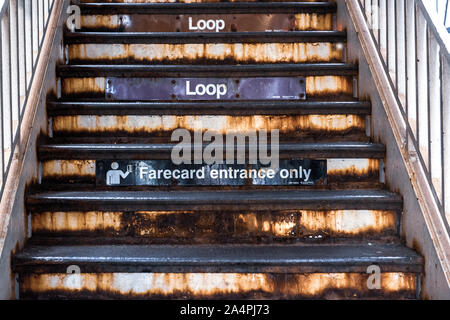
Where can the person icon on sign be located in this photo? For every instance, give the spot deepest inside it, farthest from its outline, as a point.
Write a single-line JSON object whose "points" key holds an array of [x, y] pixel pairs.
{"points": [[113, 176]]}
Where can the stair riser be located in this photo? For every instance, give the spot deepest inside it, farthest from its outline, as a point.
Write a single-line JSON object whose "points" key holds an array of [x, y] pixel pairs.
{"points": [[181, 1], [299, 127], [339, 171], [232, 22], [216, 286], [206, 53], [190, 227], [316, 87]]}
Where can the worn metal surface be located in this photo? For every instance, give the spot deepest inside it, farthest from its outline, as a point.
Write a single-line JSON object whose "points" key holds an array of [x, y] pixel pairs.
{"points": [[277, 88], [225, 22], [236, 108], [218, 258], [125, 173], [213, 53], [316, 86], [140, 125], [216, 286], [190, 227], [143, 151], [208, 200], [338, 170], [209, 71]]}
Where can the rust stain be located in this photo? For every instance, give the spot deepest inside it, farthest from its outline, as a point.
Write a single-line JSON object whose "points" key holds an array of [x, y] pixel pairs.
{"points": [[202, 53], [358, 169], [80, 86], [173, 226], [99, 21], [79, 168], [314, 21], [348, 222], [77, 221], [164, 125], [217, 285]]}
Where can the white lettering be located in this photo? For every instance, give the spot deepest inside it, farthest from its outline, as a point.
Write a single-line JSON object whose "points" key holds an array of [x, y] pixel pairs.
{"points": [[218, 90], [212, 25]]}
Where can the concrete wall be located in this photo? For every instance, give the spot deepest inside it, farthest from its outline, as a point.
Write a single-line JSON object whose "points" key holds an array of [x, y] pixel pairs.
{"points": [[15, 222], [414, 229]]}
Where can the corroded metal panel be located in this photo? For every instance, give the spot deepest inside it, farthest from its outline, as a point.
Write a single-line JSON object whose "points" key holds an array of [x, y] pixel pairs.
{"points": [[163, 125], [215, 227], [232, 22], [206, 53], [316, 86], [205, 88], [207, 23], [216, 285]]}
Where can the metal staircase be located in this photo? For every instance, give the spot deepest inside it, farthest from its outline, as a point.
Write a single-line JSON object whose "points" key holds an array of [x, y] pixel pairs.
{"points": [[220, 239]]}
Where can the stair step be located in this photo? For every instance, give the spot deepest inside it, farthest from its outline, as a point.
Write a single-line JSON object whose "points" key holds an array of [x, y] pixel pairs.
{"points": [[70, 107], [202, 49], [268, 70], [204, 37], [213, 272], [218, 258], [299, 127], [147, 151], [215, 227], [207, 200], [207, 8]]}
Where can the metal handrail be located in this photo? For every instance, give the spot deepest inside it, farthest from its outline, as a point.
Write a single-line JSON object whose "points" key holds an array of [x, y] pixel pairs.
{"points": [[416, 60], [23, 26]]}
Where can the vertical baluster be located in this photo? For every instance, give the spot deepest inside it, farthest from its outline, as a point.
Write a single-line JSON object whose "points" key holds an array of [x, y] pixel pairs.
{"points": [[422, 84]]}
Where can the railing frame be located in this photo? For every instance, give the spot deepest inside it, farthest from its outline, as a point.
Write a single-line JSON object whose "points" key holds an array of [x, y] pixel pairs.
{"points": [[23, 26], [417, 61]]}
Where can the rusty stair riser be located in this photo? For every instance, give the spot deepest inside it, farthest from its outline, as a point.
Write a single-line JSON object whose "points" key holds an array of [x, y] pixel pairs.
{"points": [[180, 22], [213, 227], [394, 285], [215, 53], [339, 171], [294, 127], [328, 87]]}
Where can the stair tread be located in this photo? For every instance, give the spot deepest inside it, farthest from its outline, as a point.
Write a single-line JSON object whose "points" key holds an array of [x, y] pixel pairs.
{"points": [[220, 258], [250, 70], [98, 151], [217, 7], [77, 107], [264, 199], [83, 37]]}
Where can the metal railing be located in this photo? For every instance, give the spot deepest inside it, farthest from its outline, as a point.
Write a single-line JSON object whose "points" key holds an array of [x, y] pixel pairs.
{"points": [[442, 9], [417, 61], [23, 25]]}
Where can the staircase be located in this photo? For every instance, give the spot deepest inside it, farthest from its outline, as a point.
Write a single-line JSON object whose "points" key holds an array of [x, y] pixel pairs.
{"points": [[221, 239]]}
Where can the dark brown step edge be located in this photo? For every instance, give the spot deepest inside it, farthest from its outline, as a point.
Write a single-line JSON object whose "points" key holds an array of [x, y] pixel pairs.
{"points": [[91, 151], [204, 37], [244, 108], [227, 200], [214, 71], [207, 8], [218, 258]]}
